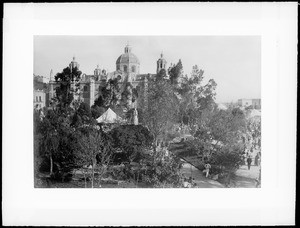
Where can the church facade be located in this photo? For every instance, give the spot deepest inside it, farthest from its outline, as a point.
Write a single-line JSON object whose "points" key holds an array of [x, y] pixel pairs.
{"points": [[127, 72]]}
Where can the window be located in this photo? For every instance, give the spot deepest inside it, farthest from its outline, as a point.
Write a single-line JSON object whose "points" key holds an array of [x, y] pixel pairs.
{"points": [[85, 88], [133, 69], [125, 68], [118, 67], [40, 98], [36, 99]]}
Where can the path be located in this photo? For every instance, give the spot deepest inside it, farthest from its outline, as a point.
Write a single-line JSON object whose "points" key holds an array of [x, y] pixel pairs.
{"points": [[246, 178], [202, 182]]}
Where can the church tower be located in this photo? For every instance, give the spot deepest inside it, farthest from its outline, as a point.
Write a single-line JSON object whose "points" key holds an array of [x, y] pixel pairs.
{"points": [[73, 64], [161, 64], [97, 73]]}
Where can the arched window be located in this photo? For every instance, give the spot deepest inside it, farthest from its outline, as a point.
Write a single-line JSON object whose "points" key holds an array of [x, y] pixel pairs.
{"points": [[85, 88], [133, 69], [125, 68]]}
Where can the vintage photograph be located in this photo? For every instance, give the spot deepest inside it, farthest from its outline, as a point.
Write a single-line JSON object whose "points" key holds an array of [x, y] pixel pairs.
{"points": [[147, 111]]}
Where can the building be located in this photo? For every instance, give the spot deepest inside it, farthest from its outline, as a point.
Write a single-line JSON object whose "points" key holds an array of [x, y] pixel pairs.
{"points": [[39, 99], [39, 92], [255, 103], [127, 74]]}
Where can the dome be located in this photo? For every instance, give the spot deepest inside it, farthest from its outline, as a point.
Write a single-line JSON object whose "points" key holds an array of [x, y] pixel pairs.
{"points": [[127, 57]]}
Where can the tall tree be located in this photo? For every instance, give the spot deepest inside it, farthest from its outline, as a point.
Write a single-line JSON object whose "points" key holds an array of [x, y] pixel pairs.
{"points": [[68, 86], [175, 72], [131, 140], [196, 100], [162, 108], [95, 151], [109, 94]]}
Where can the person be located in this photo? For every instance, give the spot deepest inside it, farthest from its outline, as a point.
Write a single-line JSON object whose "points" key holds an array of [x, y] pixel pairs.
{"points": [[207, 166], [249, 161]]}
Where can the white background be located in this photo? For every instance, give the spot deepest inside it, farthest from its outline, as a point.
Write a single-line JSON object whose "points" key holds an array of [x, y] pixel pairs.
{"points": [[273, 203]]}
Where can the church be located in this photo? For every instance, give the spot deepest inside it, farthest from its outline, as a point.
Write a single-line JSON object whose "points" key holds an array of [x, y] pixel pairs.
{"points": [[127, 72]]}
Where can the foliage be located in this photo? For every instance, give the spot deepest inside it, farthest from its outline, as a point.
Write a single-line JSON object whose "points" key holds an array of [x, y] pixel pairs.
{"points": [[68, 86], [109, 94], [131, 141], [175, 72], [196, 100], [57, 142], [228, 158], [163, 171], [162, 108], [220, 141], [95, 150], [97, 111], [82, 116], [162, 74]]}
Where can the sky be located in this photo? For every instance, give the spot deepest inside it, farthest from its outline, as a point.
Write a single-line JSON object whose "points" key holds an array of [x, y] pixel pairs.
{"points": [[234, 62]]}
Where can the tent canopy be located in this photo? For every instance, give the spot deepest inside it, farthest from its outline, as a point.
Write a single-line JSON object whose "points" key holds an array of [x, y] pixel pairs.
{"points": [[109, 117]]}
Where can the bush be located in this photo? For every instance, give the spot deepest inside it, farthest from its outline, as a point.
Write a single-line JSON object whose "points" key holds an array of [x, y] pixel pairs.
{"points": [[227, 160], [161, 172]]}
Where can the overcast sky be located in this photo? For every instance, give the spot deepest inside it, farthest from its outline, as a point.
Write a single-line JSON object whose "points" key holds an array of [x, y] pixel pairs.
{"points": [[234, 62]]}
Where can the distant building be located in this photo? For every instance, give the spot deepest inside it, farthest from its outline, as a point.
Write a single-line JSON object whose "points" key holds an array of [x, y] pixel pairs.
{"points": [[255, 103], [39, 99], [39, 92], [127, 73]]}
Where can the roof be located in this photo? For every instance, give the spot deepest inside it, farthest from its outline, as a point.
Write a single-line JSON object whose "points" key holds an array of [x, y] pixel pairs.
{"points": [[109, 117], [127, 58]]}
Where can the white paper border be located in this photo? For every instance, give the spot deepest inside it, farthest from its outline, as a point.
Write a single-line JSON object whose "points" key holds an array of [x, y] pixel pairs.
{"points": [[274, 203]]}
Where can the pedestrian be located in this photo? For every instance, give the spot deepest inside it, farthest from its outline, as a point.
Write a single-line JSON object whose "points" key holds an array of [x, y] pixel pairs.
{"points": [[207, 167], [249, 161]]}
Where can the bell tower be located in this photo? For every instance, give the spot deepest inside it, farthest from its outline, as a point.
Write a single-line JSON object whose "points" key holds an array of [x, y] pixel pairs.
{"points": [[161, 63]]}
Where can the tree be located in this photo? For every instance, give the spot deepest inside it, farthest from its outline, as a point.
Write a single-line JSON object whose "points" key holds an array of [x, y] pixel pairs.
{"points": [[68, 86], [95, 151], [197, 101], [131, 140], [82, 116], [109, 94], [97, 111], [161, 171], [57, 143], [56, 132], [175, 72], [220, 142], [161, 109], [162, 74]]}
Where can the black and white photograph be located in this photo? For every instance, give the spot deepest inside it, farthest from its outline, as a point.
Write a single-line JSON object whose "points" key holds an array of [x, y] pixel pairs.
{"points": [[159, 112], [149, 114]]}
